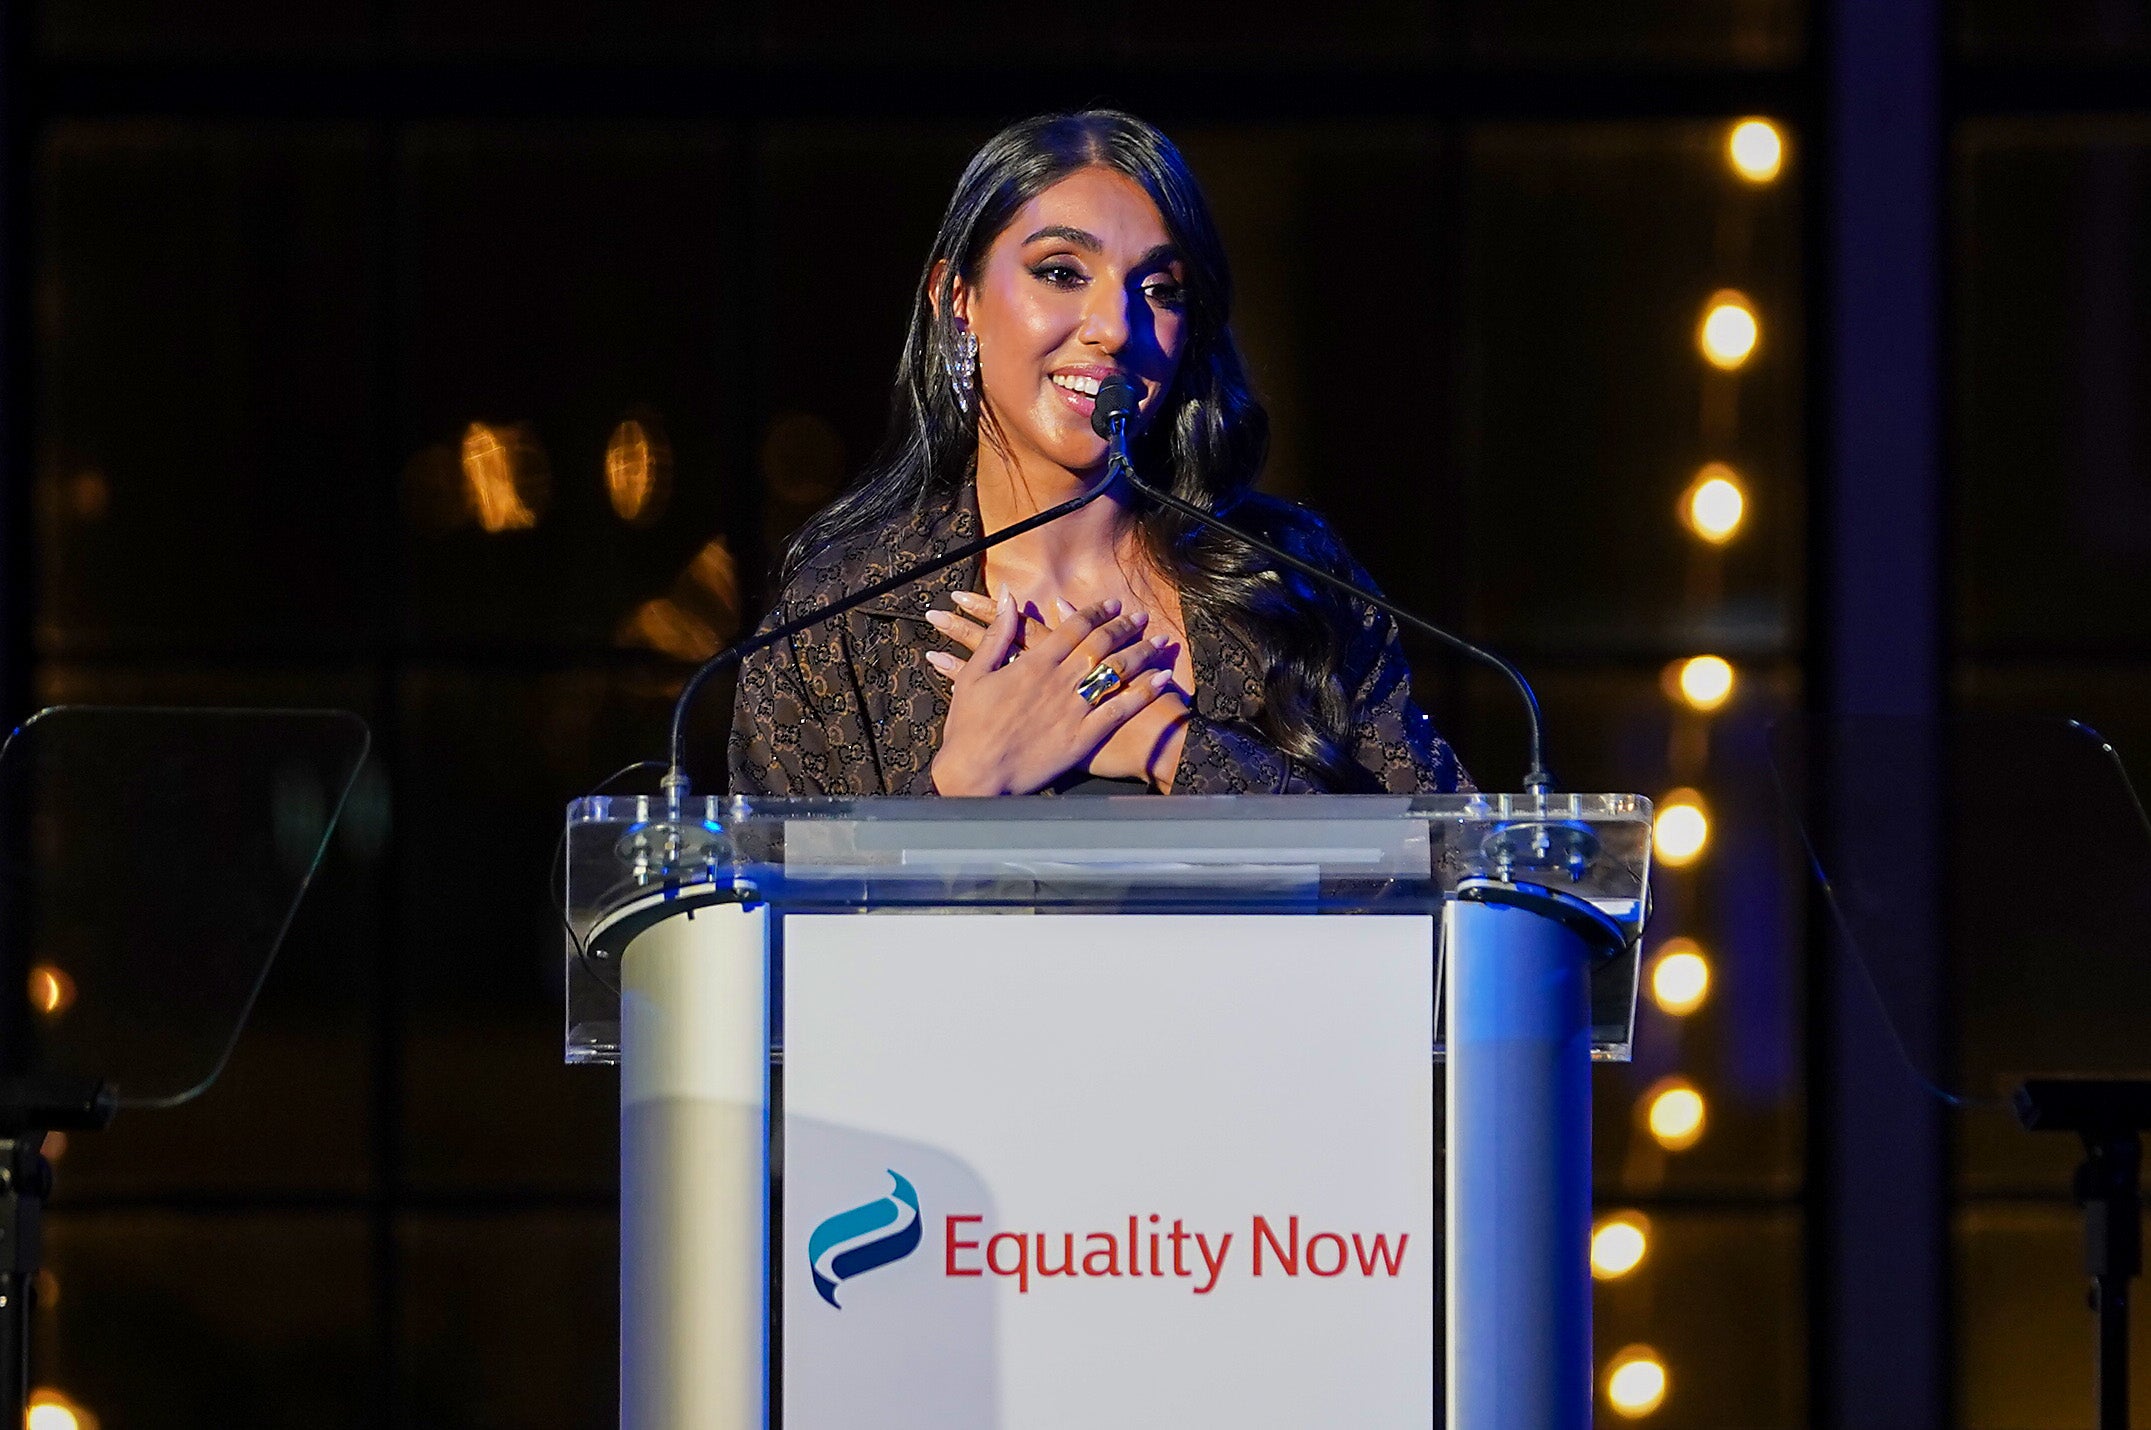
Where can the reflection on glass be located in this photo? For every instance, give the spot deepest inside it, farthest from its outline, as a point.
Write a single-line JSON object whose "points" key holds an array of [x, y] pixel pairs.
{"points": [[505, 475], [698, 616], [638, 471]]}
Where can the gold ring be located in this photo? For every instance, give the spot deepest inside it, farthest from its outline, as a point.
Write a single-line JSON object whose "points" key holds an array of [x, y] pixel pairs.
{"points": [[1099, 686]]}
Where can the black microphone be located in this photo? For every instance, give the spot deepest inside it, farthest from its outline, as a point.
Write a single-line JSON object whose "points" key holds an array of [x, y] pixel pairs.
{"points": [[675, 783], [1112, 409]]}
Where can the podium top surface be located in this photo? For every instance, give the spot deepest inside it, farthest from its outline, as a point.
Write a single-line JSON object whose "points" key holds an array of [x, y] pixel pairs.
{"points": [[632, 858]]}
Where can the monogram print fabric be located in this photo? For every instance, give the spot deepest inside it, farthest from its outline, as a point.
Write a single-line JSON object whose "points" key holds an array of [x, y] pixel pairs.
{"points": [[850, 706]]}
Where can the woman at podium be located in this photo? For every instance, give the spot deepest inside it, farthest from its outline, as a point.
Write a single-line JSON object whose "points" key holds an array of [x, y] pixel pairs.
{"points": [[1122, 648]]}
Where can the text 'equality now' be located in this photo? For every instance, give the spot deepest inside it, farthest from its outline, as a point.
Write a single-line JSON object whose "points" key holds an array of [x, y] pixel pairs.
{"points": [[1155, 1250]]}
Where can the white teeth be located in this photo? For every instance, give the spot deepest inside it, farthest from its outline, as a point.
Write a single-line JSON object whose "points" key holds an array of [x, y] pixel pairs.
{"points": [[1088, 386]]}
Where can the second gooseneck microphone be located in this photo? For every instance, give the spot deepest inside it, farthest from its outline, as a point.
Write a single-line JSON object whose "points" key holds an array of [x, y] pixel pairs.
{"points": [[1115, 407]]}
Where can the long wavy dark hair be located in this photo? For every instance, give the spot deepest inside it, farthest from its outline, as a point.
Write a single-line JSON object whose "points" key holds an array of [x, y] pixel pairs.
{"points": [[1207, 439]]}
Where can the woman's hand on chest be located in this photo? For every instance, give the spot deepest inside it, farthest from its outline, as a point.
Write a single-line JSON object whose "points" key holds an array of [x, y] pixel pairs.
{"points": [[1016, 725], [1147, 746]]}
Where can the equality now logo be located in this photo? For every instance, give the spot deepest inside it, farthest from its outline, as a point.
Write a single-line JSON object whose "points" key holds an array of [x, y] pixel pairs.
{"points": [[1276, 1248], [857, 1241]]}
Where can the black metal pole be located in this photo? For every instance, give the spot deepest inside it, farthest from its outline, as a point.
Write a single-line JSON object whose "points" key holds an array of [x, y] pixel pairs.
{"points": [[2109, 1187], [25, 1179]]}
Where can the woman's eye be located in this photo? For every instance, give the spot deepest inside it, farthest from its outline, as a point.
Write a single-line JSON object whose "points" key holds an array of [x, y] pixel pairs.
{"points": [[1166, 295], [1058, 275]]}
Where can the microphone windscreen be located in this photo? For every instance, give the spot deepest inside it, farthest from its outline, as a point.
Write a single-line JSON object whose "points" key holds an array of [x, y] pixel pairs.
{"points": [[1116, 398]]}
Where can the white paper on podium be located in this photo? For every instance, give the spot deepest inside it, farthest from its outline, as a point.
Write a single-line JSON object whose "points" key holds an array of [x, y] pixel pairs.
{"points": [[1036, 1082]]}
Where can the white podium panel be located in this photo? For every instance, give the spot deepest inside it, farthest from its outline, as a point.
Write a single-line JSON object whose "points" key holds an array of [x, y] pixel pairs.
{"points": [[1139, 1170]]}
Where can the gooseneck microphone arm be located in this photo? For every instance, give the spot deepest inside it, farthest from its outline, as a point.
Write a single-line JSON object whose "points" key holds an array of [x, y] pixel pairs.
{"points": [[1116, 403], [675, 783]]}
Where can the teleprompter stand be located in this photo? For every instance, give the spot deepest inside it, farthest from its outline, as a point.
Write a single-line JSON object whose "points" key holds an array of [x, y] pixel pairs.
{"points": [[2111, 1116], [30, 1107], [150, 863], [2034, 1007]]}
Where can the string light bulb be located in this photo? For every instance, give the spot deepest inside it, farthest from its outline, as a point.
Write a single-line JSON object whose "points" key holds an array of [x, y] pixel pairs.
{"points": [[1756, 150], [1730, 329], [1618, 1245], [1636, 1382], [1714, 503], [1674, 1112], [1702, 682], [1681, 828], [1680, 977]]}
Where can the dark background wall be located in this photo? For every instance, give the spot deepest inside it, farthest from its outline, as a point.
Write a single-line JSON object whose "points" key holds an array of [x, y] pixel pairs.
{"points": [[327, 325]]}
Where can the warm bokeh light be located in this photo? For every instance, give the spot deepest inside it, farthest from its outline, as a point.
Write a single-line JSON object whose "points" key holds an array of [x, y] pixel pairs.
{"points": [[699, 616], [51, 990], [1680, 978], [1756, 150], [1681, 829], [1636, 1382], [51, 1410], [1705, 681], [638, 472], [1618, 1244], [1714, 503], [1674, 1111], [1730, 330], [48, 1289], [502, 477], [55, 1146]]}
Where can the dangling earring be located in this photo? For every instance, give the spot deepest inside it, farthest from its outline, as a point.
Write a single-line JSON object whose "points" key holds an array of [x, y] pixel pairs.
{"points": [[963, 371]]}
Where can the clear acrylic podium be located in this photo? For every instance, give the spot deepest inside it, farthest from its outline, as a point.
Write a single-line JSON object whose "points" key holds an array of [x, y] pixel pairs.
{"points": [[733, 957]]}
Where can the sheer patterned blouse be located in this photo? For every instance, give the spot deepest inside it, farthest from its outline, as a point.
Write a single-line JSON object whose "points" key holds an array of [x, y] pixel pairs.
{"points": [[850, 706]]}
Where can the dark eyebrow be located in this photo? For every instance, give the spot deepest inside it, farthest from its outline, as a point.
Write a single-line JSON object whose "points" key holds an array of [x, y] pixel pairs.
{"points": [[1163, 256], [1079, 237]]}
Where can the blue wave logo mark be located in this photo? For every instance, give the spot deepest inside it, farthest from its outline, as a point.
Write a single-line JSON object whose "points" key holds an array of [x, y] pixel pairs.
{"points": [[863, 1238]]}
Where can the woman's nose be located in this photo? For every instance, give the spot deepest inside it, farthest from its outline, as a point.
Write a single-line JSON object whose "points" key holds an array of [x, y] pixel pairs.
{"points": [[1105, 318]]}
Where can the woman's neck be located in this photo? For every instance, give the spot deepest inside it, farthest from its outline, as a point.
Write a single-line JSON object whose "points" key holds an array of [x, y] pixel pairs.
{"points": [[1075, 552]]}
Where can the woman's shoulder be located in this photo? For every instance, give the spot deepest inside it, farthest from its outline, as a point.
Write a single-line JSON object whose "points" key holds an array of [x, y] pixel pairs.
{"points": [[1299, 530], [860, 555]]}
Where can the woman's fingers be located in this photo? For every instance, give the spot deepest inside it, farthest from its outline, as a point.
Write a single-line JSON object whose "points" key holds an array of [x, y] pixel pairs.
{"points": [[942, 661], [1107, 637], [1130, 700], [965, 633], [1000, 634]]}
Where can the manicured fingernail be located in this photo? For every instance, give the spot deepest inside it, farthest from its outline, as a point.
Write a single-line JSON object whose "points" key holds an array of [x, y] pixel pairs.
{"points": [[1008, 598], [941, 661], [939, 620], [1062, 609], [1139, 619], [1162, 680], [970, 600], [1112, 605], [1161, 640]]}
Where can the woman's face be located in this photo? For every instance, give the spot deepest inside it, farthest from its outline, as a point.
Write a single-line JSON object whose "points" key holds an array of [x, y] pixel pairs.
{"points": [[1084, 283]]}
